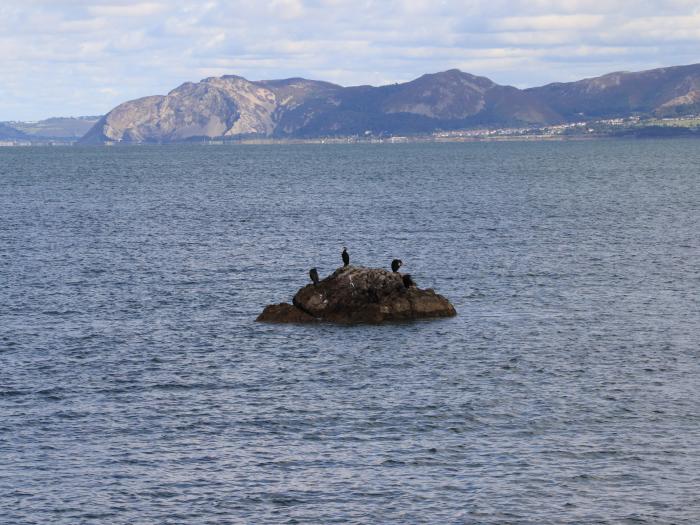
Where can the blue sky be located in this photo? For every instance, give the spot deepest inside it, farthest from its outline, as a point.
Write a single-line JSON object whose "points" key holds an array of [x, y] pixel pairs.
{"points": [[76, 57]]}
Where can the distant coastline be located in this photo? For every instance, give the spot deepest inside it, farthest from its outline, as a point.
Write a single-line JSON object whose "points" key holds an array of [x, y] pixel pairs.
{"points": [[608, 129], [57, 131], [449, 105]]}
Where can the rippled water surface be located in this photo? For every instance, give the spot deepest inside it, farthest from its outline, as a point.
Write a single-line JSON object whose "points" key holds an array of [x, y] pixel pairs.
{"points": [[136, 388]]}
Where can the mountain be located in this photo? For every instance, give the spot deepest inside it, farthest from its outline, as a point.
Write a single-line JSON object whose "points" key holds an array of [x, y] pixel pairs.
{"points": [[60, 128], [231, 106], [215, 107], [8, 132], [448, 100], [661, 92]]}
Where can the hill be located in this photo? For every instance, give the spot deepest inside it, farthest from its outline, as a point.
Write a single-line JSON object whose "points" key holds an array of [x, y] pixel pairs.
{"points": [[57, 128], [232, 106]]}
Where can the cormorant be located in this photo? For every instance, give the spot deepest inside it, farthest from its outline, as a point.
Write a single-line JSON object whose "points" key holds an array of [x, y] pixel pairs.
{"points": [[396, 264], [346, 256], [407, 281], [313, 273]]}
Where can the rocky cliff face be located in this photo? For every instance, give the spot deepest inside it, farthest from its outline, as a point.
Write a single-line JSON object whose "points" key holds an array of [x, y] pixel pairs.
{"points": [[215, 107], [354, 294], [232, 106]]}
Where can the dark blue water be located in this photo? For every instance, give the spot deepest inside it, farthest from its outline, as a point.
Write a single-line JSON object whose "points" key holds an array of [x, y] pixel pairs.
{"points": [[136, 388]]}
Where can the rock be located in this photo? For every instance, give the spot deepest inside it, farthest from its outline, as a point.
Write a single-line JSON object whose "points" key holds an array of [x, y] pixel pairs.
{"points": [[284, 313], [354, 294]]}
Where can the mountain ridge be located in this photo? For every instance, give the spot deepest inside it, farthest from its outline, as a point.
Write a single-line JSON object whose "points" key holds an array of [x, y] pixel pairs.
{"points": [[231, 106], [54, 128]]}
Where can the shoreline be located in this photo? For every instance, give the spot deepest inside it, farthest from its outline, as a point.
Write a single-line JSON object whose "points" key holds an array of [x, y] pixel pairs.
{"points": [[605, 129], [355, 141]]}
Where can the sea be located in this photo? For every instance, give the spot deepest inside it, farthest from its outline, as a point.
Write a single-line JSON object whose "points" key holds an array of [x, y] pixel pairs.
{"points": [[137, 388]]}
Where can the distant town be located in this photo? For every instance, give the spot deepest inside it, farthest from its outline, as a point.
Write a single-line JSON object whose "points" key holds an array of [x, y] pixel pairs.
{"points": [[606, 128]]}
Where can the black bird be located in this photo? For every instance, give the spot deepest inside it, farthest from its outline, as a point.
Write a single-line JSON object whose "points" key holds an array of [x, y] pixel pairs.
{"points": [[313, 273], [396, 264], [346, 256], [407, 281]]}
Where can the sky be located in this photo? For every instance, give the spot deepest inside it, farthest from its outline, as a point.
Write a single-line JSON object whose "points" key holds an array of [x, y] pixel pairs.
{"points": [[78, 57]]}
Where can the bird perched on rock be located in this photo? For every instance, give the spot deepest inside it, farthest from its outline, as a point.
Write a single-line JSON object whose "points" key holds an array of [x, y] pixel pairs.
{"points": [[396, 264], [407, 281], [346, 256], [313, 273]]}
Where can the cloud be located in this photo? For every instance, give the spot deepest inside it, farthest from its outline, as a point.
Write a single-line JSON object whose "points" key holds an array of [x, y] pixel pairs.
{"points": [[139, 9], [62, 57], [549, 23]]}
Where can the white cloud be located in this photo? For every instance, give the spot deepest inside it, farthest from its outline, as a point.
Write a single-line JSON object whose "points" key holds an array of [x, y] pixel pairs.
{"points": [[286, 9], [85, 56], [138, 9], [549, 23]]}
